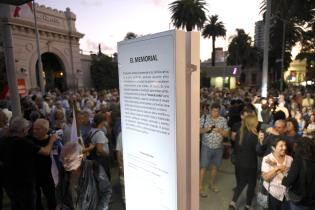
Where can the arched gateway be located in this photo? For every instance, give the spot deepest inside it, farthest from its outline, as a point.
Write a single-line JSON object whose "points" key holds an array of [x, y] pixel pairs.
{"points": [[63, 65], [54, 72]]}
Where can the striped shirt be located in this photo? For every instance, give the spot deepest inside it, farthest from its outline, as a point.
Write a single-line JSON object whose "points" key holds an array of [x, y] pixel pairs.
{"points": [[275, 188]]}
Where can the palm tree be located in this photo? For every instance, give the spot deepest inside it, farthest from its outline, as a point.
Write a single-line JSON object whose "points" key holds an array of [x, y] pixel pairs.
{"points": [[188, 14], [212, 30], [240, 50]]}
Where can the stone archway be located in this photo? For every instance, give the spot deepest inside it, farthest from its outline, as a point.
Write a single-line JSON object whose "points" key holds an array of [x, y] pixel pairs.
{"points": [[54, 72]]}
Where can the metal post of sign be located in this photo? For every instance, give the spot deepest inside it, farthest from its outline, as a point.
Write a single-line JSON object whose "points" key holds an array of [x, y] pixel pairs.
{"points": [[283, 53], [264, 85], [40, 63]]}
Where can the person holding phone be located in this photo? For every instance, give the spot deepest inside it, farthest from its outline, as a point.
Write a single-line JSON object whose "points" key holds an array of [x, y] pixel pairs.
{"points": [[213, 130]]}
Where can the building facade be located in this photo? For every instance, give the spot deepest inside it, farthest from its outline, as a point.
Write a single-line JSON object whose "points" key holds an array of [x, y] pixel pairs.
{"points": [[296, 73], [63, 65], [228, 76], [259, 35]]}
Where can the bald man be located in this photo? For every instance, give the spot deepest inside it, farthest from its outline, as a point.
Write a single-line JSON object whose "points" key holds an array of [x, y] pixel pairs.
{"points": [[272, 134], [44, 179], [18, 154]]}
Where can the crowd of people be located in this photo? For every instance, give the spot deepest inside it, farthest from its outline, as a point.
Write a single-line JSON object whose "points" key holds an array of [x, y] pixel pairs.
{"points": [[39, 157], [272, 139]]}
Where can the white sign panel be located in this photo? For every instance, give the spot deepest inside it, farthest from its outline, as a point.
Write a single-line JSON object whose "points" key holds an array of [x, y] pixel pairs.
{"points": [[148, 111]]}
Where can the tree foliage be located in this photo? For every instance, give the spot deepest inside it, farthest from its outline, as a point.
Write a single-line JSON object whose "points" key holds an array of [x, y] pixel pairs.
{"points": [[213, 29], [130, 35], [188, 14], [295, 16], [240, 50], [104, 72]]}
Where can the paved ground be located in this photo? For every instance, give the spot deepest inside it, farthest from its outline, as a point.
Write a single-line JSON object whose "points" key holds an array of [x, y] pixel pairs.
{"points": [[225, 183]]}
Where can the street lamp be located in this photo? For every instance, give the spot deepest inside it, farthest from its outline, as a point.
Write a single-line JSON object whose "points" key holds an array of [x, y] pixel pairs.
{"points": [[264, 87], [282, 56]]}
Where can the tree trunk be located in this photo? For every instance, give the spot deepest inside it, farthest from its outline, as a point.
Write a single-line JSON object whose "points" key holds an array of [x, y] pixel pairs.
{"points": [[213, 50]]}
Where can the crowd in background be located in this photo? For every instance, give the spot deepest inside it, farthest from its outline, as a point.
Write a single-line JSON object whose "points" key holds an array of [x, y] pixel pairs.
{"points": [[273, 143], [39, 157], [272, 139]]}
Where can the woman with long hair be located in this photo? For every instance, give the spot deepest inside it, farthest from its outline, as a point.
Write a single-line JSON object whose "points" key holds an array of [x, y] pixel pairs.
{"points": [[246, 160], [274, 167], [301, 176], [310, 129]]}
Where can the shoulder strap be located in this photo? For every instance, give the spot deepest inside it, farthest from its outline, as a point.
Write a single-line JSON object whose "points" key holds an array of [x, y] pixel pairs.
{"points": [[93, 134], [204, 120]]}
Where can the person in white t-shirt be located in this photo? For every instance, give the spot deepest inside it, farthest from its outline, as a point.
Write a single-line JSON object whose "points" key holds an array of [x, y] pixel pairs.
{"points": [[274, 167], [99, 144]]}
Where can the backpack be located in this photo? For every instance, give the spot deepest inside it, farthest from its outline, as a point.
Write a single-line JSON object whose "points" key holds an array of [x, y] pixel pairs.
{"points": [[88, 139]]}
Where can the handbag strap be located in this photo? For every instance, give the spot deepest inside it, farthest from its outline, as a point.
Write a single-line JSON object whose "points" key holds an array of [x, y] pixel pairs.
{"points": [[261, 181]]}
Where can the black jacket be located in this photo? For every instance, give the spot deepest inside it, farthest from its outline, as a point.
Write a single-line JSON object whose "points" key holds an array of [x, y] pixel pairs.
{"points": [[94, 191], [245, 153], [301, 180]]}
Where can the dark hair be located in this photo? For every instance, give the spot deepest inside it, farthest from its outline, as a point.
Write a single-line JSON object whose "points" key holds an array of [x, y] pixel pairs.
{"points": [[215, 106], [279, 115], [247, 109], [295, 123], [204, 106], [3, 104], [98, 118], [34, 115], [275, 143], [305, 148]]}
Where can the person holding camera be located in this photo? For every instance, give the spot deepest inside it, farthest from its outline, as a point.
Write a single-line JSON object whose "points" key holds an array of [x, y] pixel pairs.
{"points": [[44, 178], [213, 129], [18, 155]]}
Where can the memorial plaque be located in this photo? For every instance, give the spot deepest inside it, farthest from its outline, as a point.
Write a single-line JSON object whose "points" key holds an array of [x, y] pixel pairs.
{"points": [[155, 73], [147, 77]]}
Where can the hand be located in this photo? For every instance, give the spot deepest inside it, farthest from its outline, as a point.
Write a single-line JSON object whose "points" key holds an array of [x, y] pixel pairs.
{"points": [[261, 137], [272, 131], [271, 163], [282, 168], [218, 130], [53, 138]]}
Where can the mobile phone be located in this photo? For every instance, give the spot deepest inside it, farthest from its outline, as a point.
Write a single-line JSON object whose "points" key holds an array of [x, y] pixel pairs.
{"points": [[212, 127]]}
